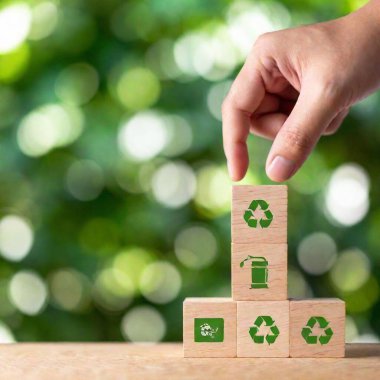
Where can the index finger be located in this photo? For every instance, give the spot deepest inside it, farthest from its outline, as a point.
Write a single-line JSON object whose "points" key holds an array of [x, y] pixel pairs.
{"points": [[243, 99]]}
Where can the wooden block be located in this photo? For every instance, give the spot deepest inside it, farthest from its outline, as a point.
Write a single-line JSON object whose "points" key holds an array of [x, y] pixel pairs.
{"points": [[259, 272], [209, 327], [317, 328], [259, 214], [263, 328]]}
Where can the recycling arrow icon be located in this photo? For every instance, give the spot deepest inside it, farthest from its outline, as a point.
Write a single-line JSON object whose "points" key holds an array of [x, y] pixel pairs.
{"points": [[307, 331], [271, 336], [251, 220]]}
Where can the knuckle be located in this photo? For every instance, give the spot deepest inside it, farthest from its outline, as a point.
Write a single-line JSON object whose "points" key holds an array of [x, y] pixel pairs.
{"points": [[335, 92], [225, 106], [263, 41], [233, 101], [331, 88]]}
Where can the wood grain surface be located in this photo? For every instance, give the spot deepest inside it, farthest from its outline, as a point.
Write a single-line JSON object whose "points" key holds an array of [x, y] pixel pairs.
{"points": [[247, 312], [277, 257], [209, 308], [277, 198], [166, 361], [333, 310]]}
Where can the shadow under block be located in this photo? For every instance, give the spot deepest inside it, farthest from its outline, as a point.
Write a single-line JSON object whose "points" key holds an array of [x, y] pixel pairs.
{"points": [[259, 272], [264, 221], [317, 328], [263, 329], [209, 327]]}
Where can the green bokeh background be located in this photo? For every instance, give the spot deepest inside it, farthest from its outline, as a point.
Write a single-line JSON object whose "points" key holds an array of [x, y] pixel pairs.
{"points": [[127, 219]]}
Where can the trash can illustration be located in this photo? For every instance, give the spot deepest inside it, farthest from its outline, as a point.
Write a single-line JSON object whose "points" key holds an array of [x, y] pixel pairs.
{"points": [[259, 269]]}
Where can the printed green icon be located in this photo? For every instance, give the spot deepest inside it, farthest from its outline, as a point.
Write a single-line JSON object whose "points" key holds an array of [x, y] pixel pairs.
{"points": [[271, 336], [249, 214], [259, 271], [310, 338], [208, 330]]}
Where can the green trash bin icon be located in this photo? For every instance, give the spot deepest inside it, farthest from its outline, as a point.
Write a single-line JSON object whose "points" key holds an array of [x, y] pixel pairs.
{"points": [[259, 271]]}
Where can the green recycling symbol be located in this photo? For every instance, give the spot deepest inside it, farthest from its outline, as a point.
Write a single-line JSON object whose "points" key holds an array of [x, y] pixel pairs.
{"points": [[307, 332], [249, 216], [271, 336]]}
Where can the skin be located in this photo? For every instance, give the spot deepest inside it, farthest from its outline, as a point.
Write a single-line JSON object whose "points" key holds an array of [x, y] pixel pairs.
{"points": [[297, 85]]}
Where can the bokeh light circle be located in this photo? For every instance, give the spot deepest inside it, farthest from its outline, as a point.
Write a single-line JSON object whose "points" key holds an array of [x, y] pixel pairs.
{"points": [[28, 292], [347, 195], [179, 135], [143, 324], [48, 127], [143, 136], [351, 329], [317, 253], [215, 97], [297, 285], [351, 270], [85, 180], [44, 20], [138, 88], [16, 237], [14, 64], [6, 335], [69, 289], [77, 84], [148, 133], [196, 247], [174, 184], [15, 21], [113, 289], [160, 282], [213, 196]]}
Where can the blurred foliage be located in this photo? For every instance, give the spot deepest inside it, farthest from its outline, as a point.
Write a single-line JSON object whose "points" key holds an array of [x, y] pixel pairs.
{"points": [[114, 194]]}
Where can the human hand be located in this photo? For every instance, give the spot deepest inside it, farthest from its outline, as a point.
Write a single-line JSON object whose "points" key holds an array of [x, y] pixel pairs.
{"points": [[297, 85]]}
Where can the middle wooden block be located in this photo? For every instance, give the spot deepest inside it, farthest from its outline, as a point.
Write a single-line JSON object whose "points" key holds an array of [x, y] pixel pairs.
{"points": [[259, 272], [263, 329]]}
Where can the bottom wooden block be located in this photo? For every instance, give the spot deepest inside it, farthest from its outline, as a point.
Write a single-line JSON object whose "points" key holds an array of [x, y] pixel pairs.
{"points": [[263, 329], [209, 327], [317, 328]]}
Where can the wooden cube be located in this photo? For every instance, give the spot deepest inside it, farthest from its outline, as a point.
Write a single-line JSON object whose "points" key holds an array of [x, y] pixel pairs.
{"points": [[263, 328], [317, 328], [259, 214], [259, 272], [209, 327]]}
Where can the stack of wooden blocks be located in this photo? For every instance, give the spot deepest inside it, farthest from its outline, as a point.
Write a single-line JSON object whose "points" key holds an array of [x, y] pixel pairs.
{"points": [[259, 320]]}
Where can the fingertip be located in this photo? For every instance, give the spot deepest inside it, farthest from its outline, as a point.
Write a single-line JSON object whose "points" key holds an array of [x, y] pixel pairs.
{"points": [[236, 173], [237, 163], [280, 169], [237, 178]]}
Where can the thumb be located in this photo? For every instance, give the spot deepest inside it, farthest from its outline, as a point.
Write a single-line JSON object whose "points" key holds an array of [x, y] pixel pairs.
{"points": [[299, 134]]}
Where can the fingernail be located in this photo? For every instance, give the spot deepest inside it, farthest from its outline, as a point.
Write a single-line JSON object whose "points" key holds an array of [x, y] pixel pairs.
{"points": [[280, 169]]}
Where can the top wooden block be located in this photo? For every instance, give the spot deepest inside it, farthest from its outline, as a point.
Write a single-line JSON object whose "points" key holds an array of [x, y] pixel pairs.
{"points": [[259, 214]]}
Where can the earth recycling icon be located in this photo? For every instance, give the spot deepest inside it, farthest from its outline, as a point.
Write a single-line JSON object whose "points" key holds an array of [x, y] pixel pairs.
{"points": [[307, 331], [249, 214], [271, 336]]}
